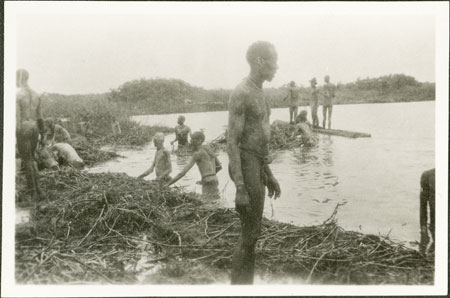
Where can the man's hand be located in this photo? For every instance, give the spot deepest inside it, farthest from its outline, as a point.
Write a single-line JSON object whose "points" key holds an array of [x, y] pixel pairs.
{"points": [[274, 187], [242, 200], [171, 143]]}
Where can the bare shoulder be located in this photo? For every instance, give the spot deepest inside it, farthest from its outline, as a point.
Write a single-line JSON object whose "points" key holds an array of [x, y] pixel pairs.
{"points": [[21, 94], [238, 98], [166, 152]]}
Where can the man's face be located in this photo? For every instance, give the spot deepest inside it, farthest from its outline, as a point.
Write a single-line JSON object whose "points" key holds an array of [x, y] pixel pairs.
{"points": [[269, 65], [327, 79], [196, 142], [180, 121], [158, 143]]}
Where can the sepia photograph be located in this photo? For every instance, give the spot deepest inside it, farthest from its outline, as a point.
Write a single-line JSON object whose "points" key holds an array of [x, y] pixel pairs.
{"points": [[225, 148]]}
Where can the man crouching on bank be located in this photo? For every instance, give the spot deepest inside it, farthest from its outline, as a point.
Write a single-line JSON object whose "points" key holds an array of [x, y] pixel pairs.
{"points": [[248, 139]]}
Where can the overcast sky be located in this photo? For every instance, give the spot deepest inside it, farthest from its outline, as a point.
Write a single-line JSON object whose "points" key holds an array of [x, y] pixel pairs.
{"points": [[93, 53]]}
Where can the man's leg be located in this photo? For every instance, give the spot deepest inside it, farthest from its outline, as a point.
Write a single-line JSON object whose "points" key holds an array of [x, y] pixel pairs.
{"points": [[244, 255], [424, 239], [324, 112], [432, 207], [330, 112], [432, 220], [290, 114], [27, 140], [295, 113]]}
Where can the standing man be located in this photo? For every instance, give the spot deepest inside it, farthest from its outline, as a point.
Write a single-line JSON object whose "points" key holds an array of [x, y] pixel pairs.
{"points": [[328, 93], [181, 133], [314, 102], [248, 139], [293, 96], [30, 130]]}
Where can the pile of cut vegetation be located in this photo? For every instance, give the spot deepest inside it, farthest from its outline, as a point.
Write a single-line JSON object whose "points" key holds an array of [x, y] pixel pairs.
{"points": [[112, 228], [133, 134], [282, 137]]}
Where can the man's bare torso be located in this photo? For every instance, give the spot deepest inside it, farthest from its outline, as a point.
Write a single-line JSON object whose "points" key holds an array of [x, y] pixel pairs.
{"points": [[162, 161], [205, 162], [247, 98], [294, 98], [329, 92], [27, 102], [182, 132]]}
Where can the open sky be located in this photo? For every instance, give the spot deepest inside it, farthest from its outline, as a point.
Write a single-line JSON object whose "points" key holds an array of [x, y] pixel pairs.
{"points": [[92, 53]]}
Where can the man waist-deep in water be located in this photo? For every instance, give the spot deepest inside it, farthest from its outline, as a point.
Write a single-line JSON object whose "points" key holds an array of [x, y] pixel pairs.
{"points": [[207, 164], [248, 139]]}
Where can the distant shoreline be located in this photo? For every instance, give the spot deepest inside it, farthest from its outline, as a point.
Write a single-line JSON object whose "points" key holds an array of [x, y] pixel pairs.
{"points": [[226, 109], [165, 96]]}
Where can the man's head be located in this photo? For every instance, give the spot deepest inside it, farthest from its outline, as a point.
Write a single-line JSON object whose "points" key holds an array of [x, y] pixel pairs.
{"points": [[302, 117], [327, 79], [22, 77], [262, 58], [158, 140], [197, 139], [313, 82], [181, 119], [292, 84]]}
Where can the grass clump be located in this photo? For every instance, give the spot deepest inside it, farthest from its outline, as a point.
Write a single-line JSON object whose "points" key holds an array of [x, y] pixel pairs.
{"points": [[111, 228]]}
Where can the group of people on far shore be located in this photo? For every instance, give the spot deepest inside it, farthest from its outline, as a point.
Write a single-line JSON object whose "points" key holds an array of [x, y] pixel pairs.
{"points": [[327, 92]]}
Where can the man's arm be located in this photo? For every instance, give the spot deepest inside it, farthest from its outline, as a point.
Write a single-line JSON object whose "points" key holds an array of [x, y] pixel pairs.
{"points": [[150, 170], [176, 137], [272, 183], [289, 92], [40, 122], [18, 114], [184, 171], [218, 164], [236, 122]]}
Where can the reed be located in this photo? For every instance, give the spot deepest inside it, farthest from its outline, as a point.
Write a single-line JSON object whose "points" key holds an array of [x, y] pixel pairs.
{"points": [[111, 228]]}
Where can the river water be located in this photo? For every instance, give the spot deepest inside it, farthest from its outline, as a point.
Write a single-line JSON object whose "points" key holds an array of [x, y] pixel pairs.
{"points": [[375, 180]]}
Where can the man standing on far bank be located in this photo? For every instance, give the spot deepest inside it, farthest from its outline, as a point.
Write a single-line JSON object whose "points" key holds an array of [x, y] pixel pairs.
{"points": [[248, 139], [329, 93]]}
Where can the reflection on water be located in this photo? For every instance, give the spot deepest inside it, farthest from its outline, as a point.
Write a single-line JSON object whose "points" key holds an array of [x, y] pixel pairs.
{"points": [[376, 180]]}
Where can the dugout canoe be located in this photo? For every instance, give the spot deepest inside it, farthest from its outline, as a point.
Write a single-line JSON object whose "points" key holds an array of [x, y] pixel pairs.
{"points": [[341, 133]]}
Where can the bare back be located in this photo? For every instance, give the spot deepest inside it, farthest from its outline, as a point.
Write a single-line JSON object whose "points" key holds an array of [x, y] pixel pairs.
{"points": [[27, 105]]}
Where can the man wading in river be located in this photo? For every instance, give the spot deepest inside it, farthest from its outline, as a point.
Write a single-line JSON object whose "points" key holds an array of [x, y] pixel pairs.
{"points": [[181, 133], [248, 139]]}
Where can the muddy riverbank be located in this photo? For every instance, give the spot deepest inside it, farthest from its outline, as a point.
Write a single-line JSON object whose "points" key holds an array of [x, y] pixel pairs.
{"points": [[112, 228]]}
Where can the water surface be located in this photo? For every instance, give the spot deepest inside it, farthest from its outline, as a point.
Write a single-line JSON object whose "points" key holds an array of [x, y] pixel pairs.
{"points": [[376, 180]]}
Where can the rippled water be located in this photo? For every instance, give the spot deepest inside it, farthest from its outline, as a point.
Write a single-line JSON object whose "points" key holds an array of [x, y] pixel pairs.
{"points": [[376, 179]]}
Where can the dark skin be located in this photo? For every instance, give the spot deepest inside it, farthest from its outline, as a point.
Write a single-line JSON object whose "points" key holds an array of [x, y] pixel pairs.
{"points": [[314, 103], [328, 103], [30, 128], [427, 201], [249, 126]]}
